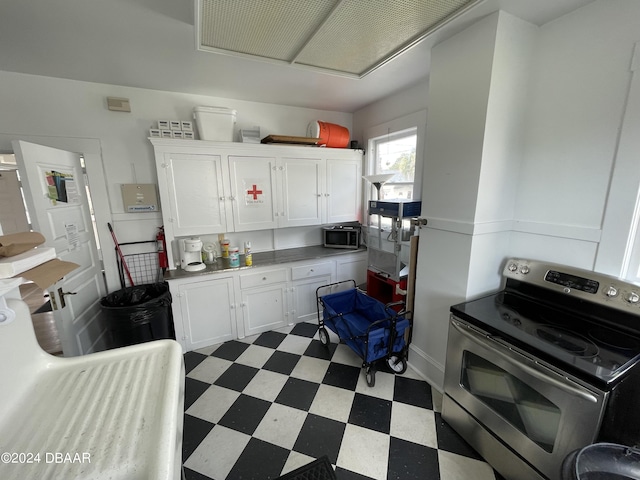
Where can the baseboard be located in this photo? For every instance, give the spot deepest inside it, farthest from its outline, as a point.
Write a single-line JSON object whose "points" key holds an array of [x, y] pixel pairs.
{"points": [[427, 367]]}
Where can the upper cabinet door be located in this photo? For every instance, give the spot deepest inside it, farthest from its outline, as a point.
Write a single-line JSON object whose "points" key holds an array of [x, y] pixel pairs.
{"points": [[196, 194], [253, 192], [343, 190], [300, 183]]}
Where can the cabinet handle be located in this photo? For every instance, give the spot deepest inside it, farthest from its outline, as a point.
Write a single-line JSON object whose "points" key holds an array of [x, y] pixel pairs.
{"points": [[311, 269], [232, 198], [264, 278], [222, 199], [326, 194], [319, 195]]}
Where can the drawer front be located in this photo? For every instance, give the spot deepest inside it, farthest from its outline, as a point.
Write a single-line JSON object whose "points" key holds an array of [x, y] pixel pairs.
{"points": [[267, 277], [309, 271]]}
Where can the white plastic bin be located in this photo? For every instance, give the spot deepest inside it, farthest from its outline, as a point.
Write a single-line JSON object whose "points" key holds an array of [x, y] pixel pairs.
{"points": [[215, 123]]}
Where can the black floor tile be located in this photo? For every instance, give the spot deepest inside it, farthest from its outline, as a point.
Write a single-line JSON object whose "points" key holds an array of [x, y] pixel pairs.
{"points": [[317, 350], [343, 376], [236, 377], [245, 414], [270, 339], [195, 429], [192, 390], [191, 475], [371, 412], [260, 461], [192, 360], [298, 394], [230, 350], [320, 436], [344, 474], [282, 362], [305, 330], [449, 440], [413, 392], [409, 461]]}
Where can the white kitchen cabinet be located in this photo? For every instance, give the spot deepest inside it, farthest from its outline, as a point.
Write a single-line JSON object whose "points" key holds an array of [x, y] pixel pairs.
{"points": [[300, 187], [352, 266], [305, 280], [253, 192], [264, 303], [343, 189], [204, 311], [193, 191]]}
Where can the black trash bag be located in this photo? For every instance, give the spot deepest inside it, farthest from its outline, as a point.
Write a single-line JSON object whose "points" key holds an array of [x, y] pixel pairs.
{"points": [[139, 314]]}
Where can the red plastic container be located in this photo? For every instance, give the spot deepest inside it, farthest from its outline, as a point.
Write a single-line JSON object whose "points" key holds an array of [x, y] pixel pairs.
{"points": [[330, 134]]}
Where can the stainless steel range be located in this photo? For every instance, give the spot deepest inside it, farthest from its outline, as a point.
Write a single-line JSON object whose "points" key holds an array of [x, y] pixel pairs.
{"points": [[544, 367]]}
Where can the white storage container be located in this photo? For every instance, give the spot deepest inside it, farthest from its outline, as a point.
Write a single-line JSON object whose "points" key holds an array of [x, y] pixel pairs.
{"points": [[215, 123]]}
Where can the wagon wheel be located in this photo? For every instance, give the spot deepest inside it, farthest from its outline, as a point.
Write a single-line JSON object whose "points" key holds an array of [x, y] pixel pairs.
{"points": [[324, 336], [371, 376], [397, 364]]}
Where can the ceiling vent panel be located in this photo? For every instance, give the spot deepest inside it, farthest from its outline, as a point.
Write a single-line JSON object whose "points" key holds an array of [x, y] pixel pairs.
{"points": [[349, 37]]}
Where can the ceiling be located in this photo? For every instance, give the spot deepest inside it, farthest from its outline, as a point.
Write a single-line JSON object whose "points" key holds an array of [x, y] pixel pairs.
{"points": [[152, 44]]}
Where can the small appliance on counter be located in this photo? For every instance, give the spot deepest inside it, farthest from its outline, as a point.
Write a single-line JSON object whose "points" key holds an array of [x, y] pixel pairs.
{"points": [[191, 254], [342, 236]]}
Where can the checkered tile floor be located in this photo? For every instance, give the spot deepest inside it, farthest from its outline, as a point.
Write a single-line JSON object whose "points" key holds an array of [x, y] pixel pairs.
{"points": [[262, 406]]}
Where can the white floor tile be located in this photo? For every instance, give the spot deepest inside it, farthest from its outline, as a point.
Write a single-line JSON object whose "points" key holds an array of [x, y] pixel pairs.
{"points": [[332, 402], [457, 467], [382, 389], [213, 403], [281, 425], [209, 369], [294, 344], [311, 369], [266, 385], [296, 460], [255, 356], [364, 451], [208, 350], [414, 424], [344, 354], [218, 452]]}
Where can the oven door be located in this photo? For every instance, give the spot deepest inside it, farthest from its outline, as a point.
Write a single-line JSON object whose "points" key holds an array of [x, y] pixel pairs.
{"points": [[536, 414]]}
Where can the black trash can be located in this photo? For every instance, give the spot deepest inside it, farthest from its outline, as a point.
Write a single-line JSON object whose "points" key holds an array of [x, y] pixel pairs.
{"points": [[602, 461], [138, 314]]}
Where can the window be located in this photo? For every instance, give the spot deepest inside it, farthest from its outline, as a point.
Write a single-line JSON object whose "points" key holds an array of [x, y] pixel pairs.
{"points": [[395, 153]]}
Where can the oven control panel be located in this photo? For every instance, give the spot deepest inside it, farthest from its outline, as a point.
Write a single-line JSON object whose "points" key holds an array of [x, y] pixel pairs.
{"points": [[592, 286]]}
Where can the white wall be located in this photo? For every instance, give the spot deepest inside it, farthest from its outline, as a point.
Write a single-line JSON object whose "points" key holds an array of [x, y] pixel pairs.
{"points": [[568, 177], [577, 101], [51, 107]]}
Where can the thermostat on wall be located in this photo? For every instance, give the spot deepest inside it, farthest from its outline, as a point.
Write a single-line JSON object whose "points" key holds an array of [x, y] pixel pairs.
{"points": [[139, 197]]}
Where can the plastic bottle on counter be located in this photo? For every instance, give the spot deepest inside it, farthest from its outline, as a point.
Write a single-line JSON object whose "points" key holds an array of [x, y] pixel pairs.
{"points": [[248, 258], [224, 248], [234, 257]]}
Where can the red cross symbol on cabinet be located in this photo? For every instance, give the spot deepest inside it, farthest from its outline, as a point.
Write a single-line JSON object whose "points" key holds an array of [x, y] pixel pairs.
{"points": [[255, 192]]}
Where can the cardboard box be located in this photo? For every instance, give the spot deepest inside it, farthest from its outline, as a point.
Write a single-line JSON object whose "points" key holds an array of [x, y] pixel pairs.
{"points": [[49, 272], [17, 248], [17, 243]]}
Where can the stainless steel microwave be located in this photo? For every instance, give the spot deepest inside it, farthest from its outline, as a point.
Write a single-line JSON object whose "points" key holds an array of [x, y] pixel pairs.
{"points": [[341, 236]]}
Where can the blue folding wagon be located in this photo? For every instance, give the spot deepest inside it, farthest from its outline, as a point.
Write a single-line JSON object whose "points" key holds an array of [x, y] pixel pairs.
{"points": [[370, 328]]}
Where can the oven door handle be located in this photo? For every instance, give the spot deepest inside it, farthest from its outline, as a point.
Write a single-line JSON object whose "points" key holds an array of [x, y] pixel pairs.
{"points": [[490, 343]]}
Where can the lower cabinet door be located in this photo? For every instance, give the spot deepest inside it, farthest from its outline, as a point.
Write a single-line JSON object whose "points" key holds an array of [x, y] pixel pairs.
{"points": [[264, 308], [208, 313], [304, 298]]}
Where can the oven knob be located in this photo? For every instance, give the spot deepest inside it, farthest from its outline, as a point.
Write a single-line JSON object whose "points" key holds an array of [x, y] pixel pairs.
{"points": [[633, 297], [611, 291], [524, 269], [512, 267]]}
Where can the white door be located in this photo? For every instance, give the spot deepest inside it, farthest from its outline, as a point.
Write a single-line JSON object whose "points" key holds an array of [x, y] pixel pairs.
{"points": [[13, 218], [55, 194]]}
